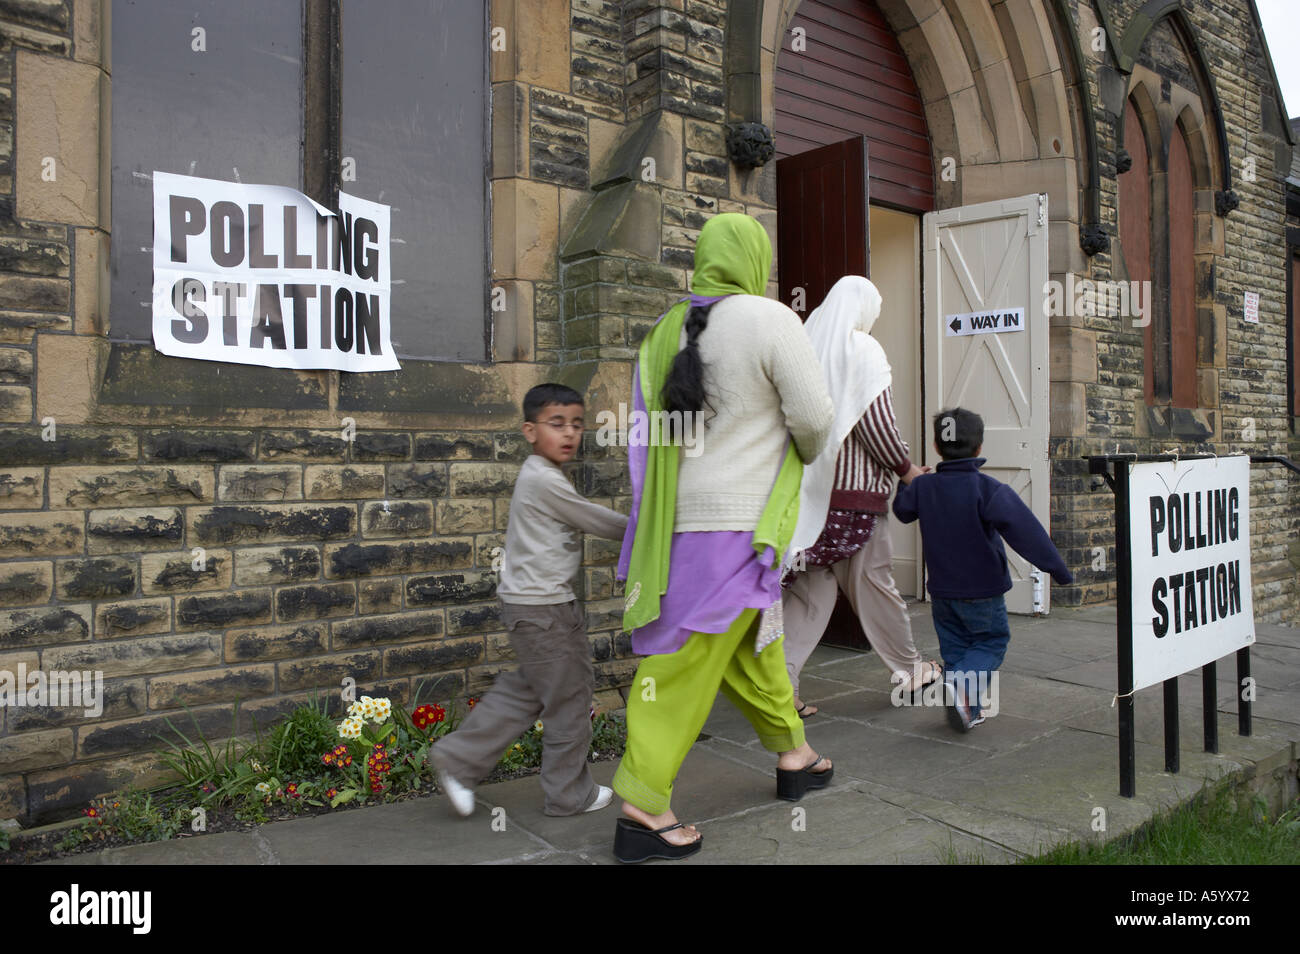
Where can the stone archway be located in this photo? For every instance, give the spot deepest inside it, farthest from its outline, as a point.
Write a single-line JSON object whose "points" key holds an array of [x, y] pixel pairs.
{"points": [[996, 92]]}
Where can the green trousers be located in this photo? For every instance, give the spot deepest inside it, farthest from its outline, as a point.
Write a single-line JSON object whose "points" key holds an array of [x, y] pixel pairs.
{"points": [[672, 695]]}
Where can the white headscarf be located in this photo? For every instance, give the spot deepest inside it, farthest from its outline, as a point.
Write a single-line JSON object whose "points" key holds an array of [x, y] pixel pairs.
{"points": [[857, 372]]}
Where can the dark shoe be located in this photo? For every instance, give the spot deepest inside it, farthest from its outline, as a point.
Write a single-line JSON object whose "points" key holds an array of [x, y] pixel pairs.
{"points": [[635, 842], [793, 784]]}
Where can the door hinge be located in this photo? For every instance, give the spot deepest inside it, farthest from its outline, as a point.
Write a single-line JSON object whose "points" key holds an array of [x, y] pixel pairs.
{"points": [[1042, 210], [1037, 576]]}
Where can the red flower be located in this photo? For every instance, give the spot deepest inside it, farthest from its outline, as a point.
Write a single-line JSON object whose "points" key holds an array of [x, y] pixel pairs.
{"points": [[472, 702], [331, 792], [291, 789]]}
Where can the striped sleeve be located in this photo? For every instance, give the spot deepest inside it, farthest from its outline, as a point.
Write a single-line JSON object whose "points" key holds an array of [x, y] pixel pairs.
{"points": [[878, 430]]}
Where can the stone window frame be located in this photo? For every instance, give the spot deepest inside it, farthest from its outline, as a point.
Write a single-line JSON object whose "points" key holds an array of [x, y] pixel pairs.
{"points": [[133, 383], [1183, 114]]}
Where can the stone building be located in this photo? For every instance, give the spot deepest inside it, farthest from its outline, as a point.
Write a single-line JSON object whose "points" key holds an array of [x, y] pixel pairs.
{"points": [[204, 532]]}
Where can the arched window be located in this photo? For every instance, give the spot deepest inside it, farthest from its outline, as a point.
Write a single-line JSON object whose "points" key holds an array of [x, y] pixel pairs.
{"points": [[1157, 227]]}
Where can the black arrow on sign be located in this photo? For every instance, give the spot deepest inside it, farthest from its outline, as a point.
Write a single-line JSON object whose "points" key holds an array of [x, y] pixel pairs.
{"points": [[956, 325]]}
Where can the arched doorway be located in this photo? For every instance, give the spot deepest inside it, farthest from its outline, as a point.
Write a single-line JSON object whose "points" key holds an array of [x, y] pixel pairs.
{"points": [[844, 94]]}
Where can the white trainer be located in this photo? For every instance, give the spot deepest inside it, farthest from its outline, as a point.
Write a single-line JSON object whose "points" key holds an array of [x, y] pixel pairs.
{"points": [[604, 795], [462, 798]]}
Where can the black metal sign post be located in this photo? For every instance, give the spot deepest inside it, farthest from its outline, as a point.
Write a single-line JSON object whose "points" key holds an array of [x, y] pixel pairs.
{"points": [[1113, 468]]}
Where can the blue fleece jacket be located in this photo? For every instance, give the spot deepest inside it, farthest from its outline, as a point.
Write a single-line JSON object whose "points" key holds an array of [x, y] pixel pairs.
{"points": [[962, 513]]}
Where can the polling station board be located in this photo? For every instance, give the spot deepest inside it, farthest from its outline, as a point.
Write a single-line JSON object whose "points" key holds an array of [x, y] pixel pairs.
{"points": [[261, 274], [1189, 540]]}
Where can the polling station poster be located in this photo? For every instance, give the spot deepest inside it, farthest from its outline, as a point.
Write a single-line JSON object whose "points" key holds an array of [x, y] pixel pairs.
{"points": [[1190, 544], [261, 274]]}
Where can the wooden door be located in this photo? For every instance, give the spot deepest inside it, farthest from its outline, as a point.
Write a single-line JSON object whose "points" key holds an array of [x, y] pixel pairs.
{"points": [[822, 214], [991, 260]]}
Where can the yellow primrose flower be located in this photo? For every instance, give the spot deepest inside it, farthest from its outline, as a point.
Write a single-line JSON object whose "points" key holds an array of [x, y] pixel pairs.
{"points": [[263, 788], [538, 725], [381, 709], [350, 728]]}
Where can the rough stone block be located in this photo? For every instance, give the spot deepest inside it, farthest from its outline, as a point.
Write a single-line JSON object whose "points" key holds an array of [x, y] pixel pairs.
{"points": [[464, 516], [417, 480], [133, 618], [132, 529], [22, 584], [198, 445], [379, 596], [121, 699], [303, 444], [432, 657], [220, 610], [95, 578], [381, 445], [260, 482], [315, 601], [483, 480], [177, 573], [477, 618], [402, 518], [363, 559], [20, 629], [87, 487], [277, 642], [345, 482], [22, 488], [40, 534], [195, 689], [452, 445], [277, 565], [284, 523], [370, 631], [36, 750], [450, 588], [329, 671], [139, 657]]}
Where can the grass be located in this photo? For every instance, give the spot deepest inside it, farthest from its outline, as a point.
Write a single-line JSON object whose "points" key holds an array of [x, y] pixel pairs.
{"points": [[1221, 826]]}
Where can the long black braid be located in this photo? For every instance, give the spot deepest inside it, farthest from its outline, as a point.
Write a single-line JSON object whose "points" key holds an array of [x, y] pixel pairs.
{"points": [[683, 389]]}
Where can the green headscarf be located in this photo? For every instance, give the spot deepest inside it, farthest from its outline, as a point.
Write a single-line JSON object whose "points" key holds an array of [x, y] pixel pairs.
{"points": [[733, 256]]}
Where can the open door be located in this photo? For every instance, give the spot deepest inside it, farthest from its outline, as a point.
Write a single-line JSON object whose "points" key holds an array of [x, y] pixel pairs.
{"points": [[986, 347], [822, 235], [822, 210]]}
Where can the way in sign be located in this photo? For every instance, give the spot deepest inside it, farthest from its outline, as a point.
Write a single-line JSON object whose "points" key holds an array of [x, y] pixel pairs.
{"points": [[985, 322]]}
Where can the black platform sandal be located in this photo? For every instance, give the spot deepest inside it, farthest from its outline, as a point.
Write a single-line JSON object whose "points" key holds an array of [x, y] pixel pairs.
{"points": [[635, 842], [793, 784]]}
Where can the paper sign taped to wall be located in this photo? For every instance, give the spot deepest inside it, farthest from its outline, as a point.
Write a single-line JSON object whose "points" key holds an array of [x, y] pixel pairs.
{"points": [[261, 274]]}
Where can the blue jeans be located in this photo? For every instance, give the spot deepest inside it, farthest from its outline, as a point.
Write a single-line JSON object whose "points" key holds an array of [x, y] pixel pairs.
{"points": [[973, 637]]}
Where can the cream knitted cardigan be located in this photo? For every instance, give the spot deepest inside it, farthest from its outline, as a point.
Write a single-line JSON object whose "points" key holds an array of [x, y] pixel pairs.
{"points": [[762, 379]]}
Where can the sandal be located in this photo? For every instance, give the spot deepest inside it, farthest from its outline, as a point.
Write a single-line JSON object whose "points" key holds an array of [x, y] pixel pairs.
{"points": [[793, 784], [932, 670], [802, 714], [635, 842]]}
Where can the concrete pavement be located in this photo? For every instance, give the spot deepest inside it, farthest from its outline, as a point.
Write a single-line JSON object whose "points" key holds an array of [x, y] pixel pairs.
{"points": [[907, 789]]}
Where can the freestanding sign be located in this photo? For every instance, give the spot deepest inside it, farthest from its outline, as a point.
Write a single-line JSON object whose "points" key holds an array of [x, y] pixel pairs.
{"points": [[1182, 565], [1189, 533]]}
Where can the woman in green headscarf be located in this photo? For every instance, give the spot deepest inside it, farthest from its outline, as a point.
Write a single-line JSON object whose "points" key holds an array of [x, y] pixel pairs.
{"points": [[714, 508]]}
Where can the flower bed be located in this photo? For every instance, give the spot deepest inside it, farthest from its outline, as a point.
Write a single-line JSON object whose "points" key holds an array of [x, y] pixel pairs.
{"points": [[309, 764]]}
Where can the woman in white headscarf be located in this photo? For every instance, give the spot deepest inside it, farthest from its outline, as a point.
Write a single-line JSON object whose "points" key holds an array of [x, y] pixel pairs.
{"points": [[842, 540]]}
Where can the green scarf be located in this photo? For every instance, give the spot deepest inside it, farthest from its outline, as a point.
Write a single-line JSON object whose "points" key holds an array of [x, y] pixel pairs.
{"points": [[733, 256]]}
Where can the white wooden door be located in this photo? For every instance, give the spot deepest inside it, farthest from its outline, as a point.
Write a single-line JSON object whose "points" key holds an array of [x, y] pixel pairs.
{"points": [[986, 347]]}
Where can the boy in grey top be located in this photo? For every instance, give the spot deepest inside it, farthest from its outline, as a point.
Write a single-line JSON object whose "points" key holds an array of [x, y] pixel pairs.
{"points": [[547, 631]]}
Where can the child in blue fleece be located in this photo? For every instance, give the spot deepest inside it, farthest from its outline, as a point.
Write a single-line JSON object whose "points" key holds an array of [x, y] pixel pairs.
{"points": [[965, 516]]}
